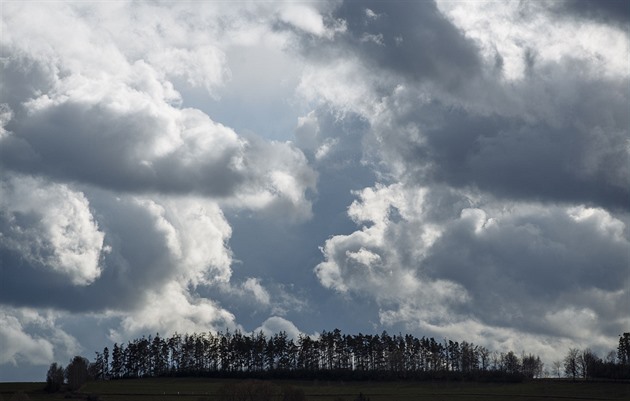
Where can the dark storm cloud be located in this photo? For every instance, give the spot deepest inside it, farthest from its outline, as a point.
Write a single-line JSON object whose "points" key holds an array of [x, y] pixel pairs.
{"points": [[516, 140], [139, 260], [398, 38], [518, 160], [615, 11], [97, 145], [568, 150], [23, 78], [522, 266], [127, 133], [557, 135]]}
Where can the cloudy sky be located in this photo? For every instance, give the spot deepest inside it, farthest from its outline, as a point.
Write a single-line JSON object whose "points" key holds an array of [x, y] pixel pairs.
{"points": [[450, 169]]}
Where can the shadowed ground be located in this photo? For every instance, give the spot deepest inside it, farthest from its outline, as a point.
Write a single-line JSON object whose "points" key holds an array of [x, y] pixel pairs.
{"points": [[198, 389]]}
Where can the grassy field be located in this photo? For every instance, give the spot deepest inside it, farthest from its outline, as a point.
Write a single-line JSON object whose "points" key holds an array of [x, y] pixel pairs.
{"points": [[189, 389]]}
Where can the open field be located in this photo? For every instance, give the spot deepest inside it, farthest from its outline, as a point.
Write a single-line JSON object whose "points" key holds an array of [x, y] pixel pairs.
{"points": [[199, 389]]}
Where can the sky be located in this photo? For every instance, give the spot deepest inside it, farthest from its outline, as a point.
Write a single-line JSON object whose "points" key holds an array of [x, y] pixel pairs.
{"points": [[450, 169]]}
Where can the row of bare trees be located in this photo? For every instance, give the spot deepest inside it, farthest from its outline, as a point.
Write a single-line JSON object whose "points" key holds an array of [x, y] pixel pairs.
{"points": [[585, 364]]}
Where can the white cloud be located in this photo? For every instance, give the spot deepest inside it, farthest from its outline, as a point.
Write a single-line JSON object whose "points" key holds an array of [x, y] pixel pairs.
{"points": [[499, 268], [512, 29], [17, 344], [309, 20], [204, 67], [260, 293], [276, 324], [196, 233], [345, 84], [51, 226], [128, 130], [383, 260], [172, 309], [31, 337], [304, 17]]}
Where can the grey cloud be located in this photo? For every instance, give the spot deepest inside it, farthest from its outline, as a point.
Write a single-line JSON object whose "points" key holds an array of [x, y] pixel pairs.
{"points": [[519, 268], [557, 134], [23, 78], [94, 144], [399, 41], [573, 151], [137, 263], [522, 266], [140, 253], [615, 11]]}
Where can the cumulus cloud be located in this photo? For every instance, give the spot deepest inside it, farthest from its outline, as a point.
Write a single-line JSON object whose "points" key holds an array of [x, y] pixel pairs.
{"points": [[130, 140], [276, 324], [260, 293], [384, 259], [120, 126], [533, 165], [29, 336], [51, 226], [150, 242], [499, 130], [401, 37], [525, 268], [303, 17], [113, 188], [171, 309], [604, 11]]}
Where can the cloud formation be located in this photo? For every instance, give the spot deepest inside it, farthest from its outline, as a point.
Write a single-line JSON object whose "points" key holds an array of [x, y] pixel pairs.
{"points": [[113, 191], [177, 167]]}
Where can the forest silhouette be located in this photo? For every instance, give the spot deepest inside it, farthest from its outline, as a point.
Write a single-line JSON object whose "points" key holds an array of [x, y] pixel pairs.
{"points": [[337, 356]]}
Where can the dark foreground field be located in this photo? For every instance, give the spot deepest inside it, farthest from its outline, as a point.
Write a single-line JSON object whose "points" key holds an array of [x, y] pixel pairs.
{"points": [[172, 389]]}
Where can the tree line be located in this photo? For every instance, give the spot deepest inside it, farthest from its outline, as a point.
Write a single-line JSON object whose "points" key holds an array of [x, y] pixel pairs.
{"points": [[585, 364], [332, 355]]}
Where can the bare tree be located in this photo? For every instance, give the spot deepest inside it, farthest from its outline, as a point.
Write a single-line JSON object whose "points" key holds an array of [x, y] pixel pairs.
{"points": [[556, 366], [571, 363]]}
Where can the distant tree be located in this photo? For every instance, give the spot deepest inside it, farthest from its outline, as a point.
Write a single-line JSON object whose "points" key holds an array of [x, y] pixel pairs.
{"points": [[54, 378], [587, 363], [77, 372], [571, 363], [511, 363], [532, 366], [556, 367], [484, 356], [105, 363], [623, 350], [117, 361]]}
